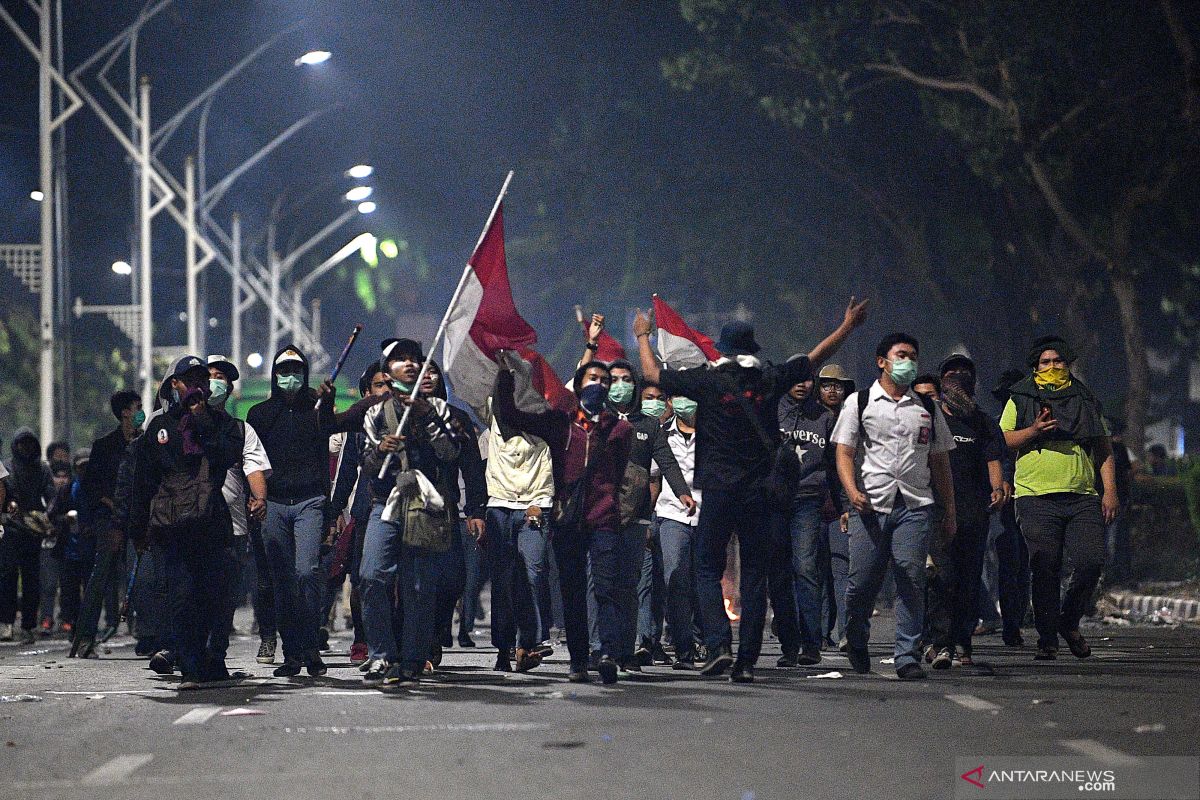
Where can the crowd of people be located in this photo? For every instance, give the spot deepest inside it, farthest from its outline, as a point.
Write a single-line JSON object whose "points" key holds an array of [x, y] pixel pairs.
{"points": [[613, 522]]}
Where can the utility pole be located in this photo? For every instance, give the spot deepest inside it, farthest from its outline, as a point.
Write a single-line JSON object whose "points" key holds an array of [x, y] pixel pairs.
{"points": [[145, 216]]}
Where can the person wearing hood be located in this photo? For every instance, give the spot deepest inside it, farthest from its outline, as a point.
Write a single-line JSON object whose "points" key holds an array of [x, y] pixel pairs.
{"points": [[411, 524], [648, 447], [295, 434], [589, 452], [737, 444], [1053, 422], [179, 468], [952, 589], [834, 385], [29, 490], [805, 426]]}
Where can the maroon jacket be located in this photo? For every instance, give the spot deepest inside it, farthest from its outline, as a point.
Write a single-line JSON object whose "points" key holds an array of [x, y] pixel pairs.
{"points": [[574, 443]]}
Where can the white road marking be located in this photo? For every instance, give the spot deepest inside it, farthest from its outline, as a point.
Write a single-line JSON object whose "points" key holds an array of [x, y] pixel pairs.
{"points": [[1100, 752], [971, 702], [116, 770], [367, 692], [108, 691], [198, 715], [476, 727]]}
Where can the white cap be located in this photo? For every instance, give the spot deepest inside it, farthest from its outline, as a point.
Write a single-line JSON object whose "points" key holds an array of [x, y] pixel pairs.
{"points": [[288, 355]]}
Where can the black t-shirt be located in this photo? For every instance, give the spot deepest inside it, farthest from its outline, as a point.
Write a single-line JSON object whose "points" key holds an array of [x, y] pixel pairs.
{"points": [[975, 444], [730, 453]]}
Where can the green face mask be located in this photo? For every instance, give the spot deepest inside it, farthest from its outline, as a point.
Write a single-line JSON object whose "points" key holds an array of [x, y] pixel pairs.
{"points": [[217, 391], [402, 387], [654, 408], [903, 371], [139, 418], [288, 383], [685, 408], [621, 392]]}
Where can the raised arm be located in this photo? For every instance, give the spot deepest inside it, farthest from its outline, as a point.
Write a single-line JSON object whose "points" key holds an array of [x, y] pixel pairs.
{"points": [[855, 315], [649, 364]]}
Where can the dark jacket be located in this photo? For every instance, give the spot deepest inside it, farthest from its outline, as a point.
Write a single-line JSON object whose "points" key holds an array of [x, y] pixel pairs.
{"points": [[429, 447], [160, 452], [296, 437], [100, 475], [30, 484], [649, 443], [574, 444], [807, 427]]}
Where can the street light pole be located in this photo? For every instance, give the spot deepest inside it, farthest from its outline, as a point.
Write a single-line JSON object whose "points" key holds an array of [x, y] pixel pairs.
{"points": [[45, 111], [235, 306], [189, 212], [144, 217]]}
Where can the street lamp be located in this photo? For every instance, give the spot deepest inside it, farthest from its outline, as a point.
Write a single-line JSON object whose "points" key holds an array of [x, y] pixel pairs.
{"points": [[314, 57], [367, 207], [360, 171], [358, 194], [122, 268], [36, 196], [254, 360]]}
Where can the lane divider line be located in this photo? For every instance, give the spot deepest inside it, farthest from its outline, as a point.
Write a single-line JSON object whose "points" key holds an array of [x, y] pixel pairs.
{"points": [[116, 770]]}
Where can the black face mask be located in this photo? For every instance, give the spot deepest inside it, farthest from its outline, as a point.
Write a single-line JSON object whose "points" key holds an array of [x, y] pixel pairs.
{"points": [[958, 392]]}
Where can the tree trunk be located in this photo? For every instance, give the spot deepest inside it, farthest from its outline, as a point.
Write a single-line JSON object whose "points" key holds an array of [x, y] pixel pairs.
{"points": [[1136, 362]]}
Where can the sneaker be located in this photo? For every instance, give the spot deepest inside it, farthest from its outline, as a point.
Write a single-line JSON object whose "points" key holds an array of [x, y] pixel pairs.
{"points": [[290, 668], [578, 675], [395, 676], [266, 651], [323, 640], [659, 655], [1077, 644], [1045, 653], [6, 632], [358, 654], [742, 673], [788, 660], [27, 636], [375, 670], [643, 656], [527, 660], [1015, 640], [465, 640], [162, 662], [543, 649], [88, 650], [215, 672], [843, 645], [942, 659], [809, 657], [146, 647], [607, 669], [189, 682], [685, 662], [624, 672], [503, 663], [717, 662], [860, 659], [315, 666], [911, 672]]}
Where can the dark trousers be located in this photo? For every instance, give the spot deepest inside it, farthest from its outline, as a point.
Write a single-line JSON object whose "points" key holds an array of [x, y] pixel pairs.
{"points": [[452, 576], [73, 580], [1012, 556], [513, 545], [474, 574], [723, 513], [781, 586], [196, 566], [571, 555], [264, 591], [953, 582], [229, 571], [20, 557], [150, 596], [1054, 525]]}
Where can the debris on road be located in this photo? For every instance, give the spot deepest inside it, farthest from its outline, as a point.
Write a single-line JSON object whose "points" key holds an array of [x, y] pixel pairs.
{"points": [[243, 712], [20, 698], [834, 675], [1157, 727]]}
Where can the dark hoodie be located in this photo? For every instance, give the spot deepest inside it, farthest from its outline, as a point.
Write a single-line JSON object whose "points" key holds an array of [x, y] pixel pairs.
{"points": [[296, 437], [30, 484]]}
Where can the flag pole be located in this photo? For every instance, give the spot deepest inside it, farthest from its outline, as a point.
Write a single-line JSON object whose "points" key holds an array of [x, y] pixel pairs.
{"points": [[441, 331]]}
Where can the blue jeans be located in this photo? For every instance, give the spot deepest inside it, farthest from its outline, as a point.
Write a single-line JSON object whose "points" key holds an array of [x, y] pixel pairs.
{"points": [[900, 539], [519, 571], [839, 567], [677, 547], [291, 538], [613, 591], [650, 591], [474, 575], [197, 589], [385, 559], [810, 561], [724, 512]]}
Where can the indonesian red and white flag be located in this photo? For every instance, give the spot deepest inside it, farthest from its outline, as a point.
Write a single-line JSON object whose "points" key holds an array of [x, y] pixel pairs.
{"points": [[680, 346], [483, 322]]}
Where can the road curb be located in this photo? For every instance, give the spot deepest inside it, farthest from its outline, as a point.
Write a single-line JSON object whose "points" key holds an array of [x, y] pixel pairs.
{"points": [[1182, 609]]}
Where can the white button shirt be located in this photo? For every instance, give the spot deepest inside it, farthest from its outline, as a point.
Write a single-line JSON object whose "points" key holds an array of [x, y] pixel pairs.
{"points": [[254, 459], [894, 454], [668, 505]]}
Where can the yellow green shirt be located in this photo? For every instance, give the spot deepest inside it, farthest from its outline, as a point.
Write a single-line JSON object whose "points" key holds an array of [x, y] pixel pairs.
{"points": [[1049, 467]]}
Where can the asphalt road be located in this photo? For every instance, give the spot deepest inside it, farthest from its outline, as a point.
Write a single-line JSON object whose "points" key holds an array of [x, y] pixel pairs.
{"points": [[112, 729]]}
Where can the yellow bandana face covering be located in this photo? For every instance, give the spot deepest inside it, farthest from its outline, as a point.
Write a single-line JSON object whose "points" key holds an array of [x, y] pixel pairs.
{"points": [[1052, 378]]}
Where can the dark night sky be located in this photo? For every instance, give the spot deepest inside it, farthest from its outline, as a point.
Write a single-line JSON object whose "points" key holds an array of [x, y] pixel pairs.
{"points": [[441, 98]]}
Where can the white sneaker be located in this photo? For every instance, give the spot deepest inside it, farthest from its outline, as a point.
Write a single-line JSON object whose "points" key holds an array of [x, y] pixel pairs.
{"points": [[6, 632]]}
